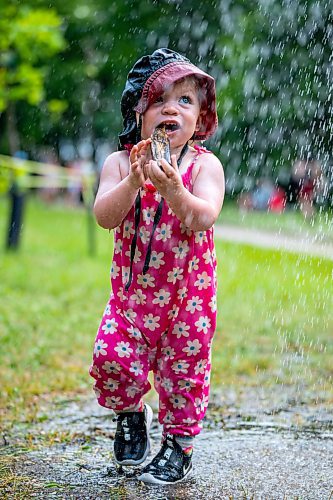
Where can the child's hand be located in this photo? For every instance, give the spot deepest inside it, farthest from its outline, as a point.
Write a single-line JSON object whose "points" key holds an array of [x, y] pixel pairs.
{"points": [[166, 178], [138, 163]]}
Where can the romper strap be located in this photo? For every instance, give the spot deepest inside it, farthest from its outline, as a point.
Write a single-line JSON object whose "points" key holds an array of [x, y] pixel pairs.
{"points": [[187, 176]]}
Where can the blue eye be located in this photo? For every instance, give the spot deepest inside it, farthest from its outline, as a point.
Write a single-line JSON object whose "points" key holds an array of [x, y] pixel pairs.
{"points": [[185, 99]]}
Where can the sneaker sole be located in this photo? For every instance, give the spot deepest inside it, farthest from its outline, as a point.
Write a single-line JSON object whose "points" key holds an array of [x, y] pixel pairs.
{"points": [[149, 418], [150, 479]]}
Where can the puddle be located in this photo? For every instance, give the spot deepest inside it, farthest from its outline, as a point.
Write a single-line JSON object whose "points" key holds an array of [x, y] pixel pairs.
{"points": [[262, 448]]}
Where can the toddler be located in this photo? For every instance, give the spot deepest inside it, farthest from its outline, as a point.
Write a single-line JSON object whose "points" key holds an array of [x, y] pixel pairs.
{"points": [[161, 315]]}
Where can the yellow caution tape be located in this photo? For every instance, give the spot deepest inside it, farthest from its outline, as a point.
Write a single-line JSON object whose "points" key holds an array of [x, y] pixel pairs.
{"points": [[46, 175]]}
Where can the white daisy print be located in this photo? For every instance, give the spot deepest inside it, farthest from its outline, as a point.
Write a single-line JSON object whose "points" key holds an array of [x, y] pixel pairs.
{"points": [[123, 349], [107, 310], [174, 275], [157, 379], [189, 421], [114, 270], [156, 259], [139, 297], [205, 401], [180, 329], [162, 405], [207, 256], [164, 232], [132, 407], [95, 371], [182, 293], [118, 246], [198, 405], [151, 322], [100, 347], [162, 297], [181, 249], [130, 315], [177, 401], [141, 349], [134, 333], [193, 347], [194, 304], [200, 237], [157, 196], [186, 384], [203, 281], [125, 274], [169, 352], [169, 417], [185, 229], [137, 255], [203, 324], [207, 378], [144, 234], [98, 392], [212, 304], [148, 215], [110, 326], [136, 368], [131, 390], [166, 383], [146, 280], [173, 313], [200, 366], [180, 366], [112, 367], [152, 354], [193, 264], [111, 385], [128, 229], [113, 402]]}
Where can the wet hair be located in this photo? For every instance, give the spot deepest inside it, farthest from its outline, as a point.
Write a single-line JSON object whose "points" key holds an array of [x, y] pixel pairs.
{"points": [[199, 87]]}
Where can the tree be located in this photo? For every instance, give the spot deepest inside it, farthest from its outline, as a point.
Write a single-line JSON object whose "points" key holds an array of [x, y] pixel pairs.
{"points": [[28, 38]]}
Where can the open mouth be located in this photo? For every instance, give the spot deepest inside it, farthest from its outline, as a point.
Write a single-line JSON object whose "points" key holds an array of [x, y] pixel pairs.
{"points": [[169, 126]]}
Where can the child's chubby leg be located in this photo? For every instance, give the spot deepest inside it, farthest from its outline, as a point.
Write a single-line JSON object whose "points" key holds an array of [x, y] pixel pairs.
{"points": [[182, 381], [120, 363], [120, 367]]}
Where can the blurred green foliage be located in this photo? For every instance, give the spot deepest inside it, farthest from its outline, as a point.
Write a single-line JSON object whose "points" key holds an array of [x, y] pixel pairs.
{"points": [[270, 58], [28, 38]]}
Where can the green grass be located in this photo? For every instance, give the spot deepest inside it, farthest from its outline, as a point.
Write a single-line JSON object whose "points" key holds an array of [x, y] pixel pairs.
{"points": [[274, 325]]}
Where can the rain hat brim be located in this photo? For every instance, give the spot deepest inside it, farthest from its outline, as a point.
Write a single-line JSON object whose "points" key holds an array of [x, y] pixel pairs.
{"points": [[171, 73]]}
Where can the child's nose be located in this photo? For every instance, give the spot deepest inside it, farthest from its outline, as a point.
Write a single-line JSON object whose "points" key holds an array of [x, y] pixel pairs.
{"points": [[170, 108]]}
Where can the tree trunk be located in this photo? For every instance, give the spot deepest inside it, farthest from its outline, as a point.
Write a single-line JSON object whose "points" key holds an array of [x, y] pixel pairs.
{"points": [[12, 132]]}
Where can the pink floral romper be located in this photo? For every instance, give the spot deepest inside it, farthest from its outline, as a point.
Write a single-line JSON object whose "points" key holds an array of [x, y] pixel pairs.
{"points": [[161, 316]]}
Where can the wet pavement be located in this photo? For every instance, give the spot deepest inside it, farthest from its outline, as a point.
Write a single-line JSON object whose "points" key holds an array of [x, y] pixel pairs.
{"points": [[252, 446]]}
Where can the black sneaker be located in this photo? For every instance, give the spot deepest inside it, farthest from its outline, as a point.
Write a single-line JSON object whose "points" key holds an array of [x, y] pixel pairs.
{"points": [[171, 465], [131, 444]]}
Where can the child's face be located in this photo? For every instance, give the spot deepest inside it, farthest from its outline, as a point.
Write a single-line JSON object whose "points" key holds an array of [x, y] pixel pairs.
{"points": [[179, 109]]}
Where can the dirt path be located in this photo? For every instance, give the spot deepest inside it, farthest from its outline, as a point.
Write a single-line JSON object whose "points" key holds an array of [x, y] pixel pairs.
{"points": [[255, 445], [304, 245]]}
